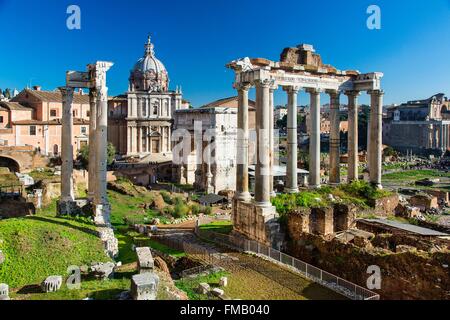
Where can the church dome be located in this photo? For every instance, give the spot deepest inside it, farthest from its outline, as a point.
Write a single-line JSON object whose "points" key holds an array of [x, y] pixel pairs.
{"points": [[149, 73]]}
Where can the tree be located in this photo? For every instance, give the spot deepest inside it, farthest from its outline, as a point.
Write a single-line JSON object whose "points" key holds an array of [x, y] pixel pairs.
{"points": [[282, 123], [83, 154], [7, 93]]}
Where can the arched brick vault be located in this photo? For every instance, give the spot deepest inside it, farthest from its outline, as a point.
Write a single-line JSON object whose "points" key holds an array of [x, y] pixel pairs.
{"points": [[12, 164]]}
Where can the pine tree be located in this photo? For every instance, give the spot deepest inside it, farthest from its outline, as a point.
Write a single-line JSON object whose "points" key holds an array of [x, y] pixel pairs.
{"points": [[7, 93]]}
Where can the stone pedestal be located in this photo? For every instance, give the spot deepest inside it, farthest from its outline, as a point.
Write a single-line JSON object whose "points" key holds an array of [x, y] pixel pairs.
{"points": [[145, 260], [144, 286], [256, 222], [4, 292]]}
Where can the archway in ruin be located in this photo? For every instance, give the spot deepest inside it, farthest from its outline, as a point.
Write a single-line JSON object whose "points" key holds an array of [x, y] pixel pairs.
{"points": [[9, 163]]}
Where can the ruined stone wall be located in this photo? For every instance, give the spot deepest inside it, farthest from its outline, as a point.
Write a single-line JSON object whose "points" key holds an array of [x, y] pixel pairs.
{"points": [[405, 275], [386, 205]]}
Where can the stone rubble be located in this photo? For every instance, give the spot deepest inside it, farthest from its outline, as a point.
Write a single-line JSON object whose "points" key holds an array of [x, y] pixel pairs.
{"points": [[217, 292], [203, 288], [102, 271], [223, 282], [52, 284], [110, 242], [4, 291], [145, 260]]}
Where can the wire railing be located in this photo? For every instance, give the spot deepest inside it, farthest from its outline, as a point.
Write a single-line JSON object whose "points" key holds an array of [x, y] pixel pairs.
{"points": [[326, 279]]}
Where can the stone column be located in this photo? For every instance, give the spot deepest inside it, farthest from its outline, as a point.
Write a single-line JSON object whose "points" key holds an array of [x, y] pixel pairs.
{"points": [[242, 192], [67, 194], [314, 139], [262, 172], [272, 138], [335, 138], [292, 147], [92, 146], [353, 155], [376, 122], [102, 204]]}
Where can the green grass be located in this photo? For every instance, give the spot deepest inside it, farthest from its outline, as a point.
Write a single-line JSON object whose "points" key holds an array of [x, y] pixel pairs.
{"points": [[38, 247], [8, 179], [189, 285], [414, 175], [46, 175], [224, 227]]}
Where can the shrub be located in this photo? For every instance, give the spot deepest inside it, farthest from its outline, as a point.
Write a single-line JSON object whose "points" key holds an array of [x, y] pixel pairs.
{"points": [[167, 198], [195, 209], [180, 210]]}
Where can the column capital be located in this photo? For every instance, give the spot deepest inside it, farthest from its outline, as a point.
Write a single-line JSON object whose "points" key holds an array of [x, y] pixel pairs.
{"points": [[352, 93], [314, 90], [65, 91], [92, 93], [243, 86], [333, 93], [291, 89], [378, 93], [265, 83]]}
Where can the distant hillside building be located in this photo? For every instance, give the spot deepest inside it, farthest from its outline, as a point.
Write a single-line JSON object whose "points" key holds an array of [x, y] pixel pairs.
{"points": [[33, 118], [419, 125]]}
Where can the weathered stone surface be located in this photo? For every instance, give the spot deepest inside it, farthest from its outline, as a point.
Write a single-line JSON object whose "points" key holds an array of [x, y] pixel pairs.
{"points": [[4, 291], [203, 288], [110, 242], [102, 271], [217, 292], [386, 205], [424, 202], [144, 286], [2, 257], [158, 202], [52, 284], [223, 282], [145, 260], [321, 221], [344, 217]]}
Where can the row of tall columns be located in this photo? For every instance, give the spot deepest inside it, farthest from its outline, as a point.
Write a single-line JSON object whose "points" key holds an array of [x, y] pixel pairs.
{"points": [[98, 157], [264, 129], [140, 140]]}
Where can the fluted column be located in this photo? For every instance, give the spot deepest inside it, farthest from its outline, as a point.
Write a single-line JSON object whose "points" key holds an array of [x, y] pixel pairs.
{"points": [[262, 172], [242, 192], [335, 137], [376, 122], [353, 156], [67, 194], [292, 161], [314, 139], [92, 144]]}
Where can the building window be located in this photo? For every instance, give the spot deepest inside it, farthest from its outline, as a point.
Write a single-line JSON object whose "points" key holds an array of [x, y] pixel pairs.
{"points": [[83, 130], [53, 113], [74, 112], [155, 110], [88, 113], [1, 119], [32, 130]]}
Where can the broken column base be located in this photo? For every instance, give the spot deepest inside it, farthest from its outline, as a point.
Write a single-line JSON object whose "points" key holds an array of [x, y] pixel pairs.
{"points": [[102, 214], [110, 242], [257, 223], [70, 207]]}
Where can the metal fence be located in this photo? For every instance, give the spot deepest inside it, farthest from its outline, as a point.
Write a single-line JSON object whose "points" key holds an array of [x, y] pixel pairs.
{"points": [[335, 283]]}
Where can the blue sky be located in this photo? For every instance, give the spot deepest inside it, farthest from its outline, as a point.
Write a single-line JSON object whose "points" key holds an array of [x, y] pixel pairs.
{"points": [[195, 39]]}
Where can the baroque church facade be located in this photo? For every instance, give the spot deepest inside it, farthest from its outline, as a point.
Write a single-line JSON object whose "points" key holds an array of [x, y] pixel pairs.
{"points": [[140, 121]]}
